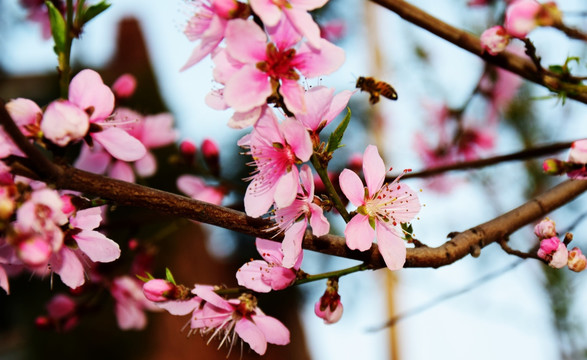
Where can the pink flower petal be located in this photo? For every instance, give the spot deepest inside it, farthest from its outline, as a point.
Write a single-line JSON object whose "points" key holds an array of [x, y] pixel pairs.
{"points": [[267, 10], [157, 131], [269, 250], [70, 269], [122, 171], [391, 247], [120, 144], [241, 120], [338, 104], [247, 89], [319, 223], [4, 280], [298, 138], [359, 233], [146, 166], [280, 277], [252, 335], [273, 330], [207, 293], [305, 25], [293, 96], [180, 307], [352, 187], [95, 161], [97, 246], [246, 41], [87, 90], [373, 169], [87, 219], [317, 101], [209, 41], [256, 203], [313, 63], [292, 243], [286, 189], [251, 274]]}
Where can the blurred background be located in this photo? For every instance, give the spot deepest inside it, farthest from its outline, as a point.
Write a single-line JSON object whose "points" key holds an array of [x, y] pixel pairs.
{"points": [[493, 306]]}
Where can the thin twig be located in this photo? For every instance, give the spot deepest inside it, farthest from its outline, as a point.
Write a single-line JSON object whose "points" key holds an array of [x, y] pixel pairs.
{"points": [[523, 255]]}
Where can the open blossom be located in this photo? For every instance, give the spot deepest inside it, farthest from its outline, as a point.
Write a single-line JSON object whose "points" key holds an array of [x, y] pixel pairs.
{"points": [[494, 40], [323, 106], [522, 16], [293, 219], [276, 149], [131, 304], [252, 69], [269, 274], [293, 11], [554, 252], [242, 317], [381, 209]]}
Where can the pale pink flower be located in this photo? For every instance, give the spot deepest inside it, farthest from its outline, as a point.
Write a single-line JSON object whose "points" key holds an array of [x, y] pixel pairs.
{"points": [[125, 86], [381, 209], [295, 12], [554, 252], [34, 251], [131, 304], [64, 122], [520, 17], [323, 106], [26, 114], [92, 243], [242, 317], [294, 218], [578, 156], [264, 65], [208, 24], [545, 229], [276, 149], [196, 188], [577, 261], [158, 290], [494, 40], [270, 274]]}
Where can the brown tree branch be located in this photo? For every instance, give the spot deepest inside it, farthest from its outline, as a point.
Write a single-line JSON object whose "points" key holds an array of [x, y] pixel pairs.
{"points": [[467, 41], [480, 163]]}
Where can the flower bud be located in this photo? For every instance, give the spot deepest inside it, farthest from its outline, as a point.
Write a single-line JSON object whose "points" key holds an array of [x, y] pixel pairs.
{"points": [[553, 167], [68, 207], [158, 290], [225, 8], [520, 17], [34, 251], [64, 122], [188, 151], [560, 257], [545, 229], [577, 261], [494, 40], [125, 86], [329, 306], [211, 156], [547, 247]]}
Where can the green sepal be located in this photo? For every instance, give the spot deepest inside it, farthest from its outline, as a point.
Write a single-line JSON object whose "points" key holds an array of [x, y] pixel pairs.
{"points": [[407, 230], [149, 277], [93, 11], [57, 27], [336, 136], [169, 276]]}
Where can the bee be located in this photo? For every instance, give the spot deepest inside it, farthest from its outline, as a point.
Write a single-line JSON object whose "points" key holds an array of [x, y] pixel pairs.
{"points": [[375, 88]]}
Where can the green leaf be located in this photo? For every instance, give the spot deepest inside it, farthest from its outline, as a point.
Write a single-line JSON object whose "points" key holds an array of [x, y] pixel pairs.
{"points": [[145, 279], [169, 276], [557, 69], [93, 11], [336, 136], [57, 27]]}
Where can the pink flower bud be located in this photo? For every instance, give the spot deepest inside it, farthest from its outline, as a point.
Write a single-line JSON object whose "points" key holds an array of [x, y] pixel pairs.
{"points": [[548, 246], [520, 17], [560, 257], [577, 261], [26, 114], [68, 208], [158, 290], [494, 40], [545, 229], [225, 8], [211, 156], [64, 122], [34, 252], [578, 153], [329, 306], [553, 167], [188, 151], [124, 86]]}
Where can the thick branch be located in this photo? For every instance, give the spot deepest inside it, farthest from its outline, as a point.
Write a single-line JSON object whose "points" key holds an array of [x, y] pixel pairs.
{"points": [[467, 41], [480, 163]]}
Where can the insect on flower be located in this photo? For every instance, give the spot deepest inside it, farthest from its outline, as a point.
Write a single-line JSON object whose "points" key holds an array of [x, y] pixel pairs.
{"points": [[375, 88]]}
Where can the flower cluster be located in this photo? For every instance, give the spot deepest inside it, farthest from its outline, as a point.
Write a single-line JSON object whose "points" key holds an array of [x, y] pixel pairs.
{"points": [[521, 17], [574, 167], [554, 251]]}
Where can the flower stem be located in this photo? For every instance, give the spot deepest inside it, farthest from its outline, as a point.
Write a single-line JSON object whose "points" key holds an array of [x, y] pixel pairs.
{"points": [[338, 273], [323, 173], [64, 57]]}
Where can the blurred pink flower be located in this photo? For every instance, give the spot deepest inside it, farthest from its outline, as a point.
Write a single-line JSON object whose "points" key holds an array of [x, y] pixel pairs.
{"points": [[131, 304], [494, 40], [577, 261]]}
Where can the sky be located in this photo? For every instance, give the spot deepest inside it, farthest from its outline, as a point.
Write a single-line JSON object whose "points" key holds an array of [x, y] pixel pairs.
{"points": [[505, 318]]}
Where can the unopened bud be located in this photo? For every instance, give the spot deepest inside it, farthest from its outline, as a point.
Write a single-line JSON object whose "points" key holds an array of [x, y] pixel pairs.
{"points": [[494, 40], [125, 86], [577, 261], [560, 257], [158, 290], [68, 208], [225, 8], [211, 156], [545, 229], [329, 306], [188, 151], [553, 167], [34, 252]]}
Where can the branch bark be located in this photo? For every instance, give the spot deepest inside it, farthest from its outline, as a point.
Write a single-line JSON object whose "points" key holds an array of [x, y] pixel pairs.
{"points": [[467, 41]]}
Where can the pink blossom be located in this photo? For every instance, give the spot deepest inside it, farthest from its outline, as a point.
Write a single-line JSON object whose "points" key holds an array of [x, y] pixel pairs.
{"points": [[554, 252], [323, 106], [26, 114], [578, 157], [125, 86], [64, 122], [264, 65], [295, 12], [196, 188], [62, 314], [211, 156], [381, 208], [520, 17], [271, 274], [545, 229], [158, 290], [494, 40], [131, 304], [92, 243], [276, 150], [294, 218], [188, 151], [208, 24], [34, 251], [242, 317], [577, 261]]}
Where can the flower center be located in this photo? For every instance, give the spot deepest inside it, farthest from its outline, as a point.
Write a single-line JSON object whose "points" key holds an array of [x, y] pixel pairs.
{"points": [[278, 64]]}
